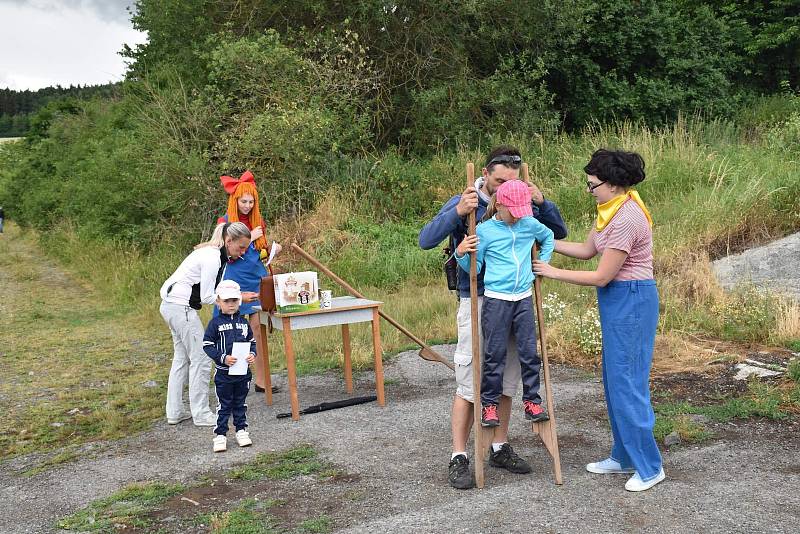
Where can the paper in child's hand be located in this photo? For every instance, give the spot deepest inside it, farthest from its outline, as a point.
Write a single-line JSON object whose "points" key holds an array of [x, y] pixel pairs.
{"points": [[240, 351]]}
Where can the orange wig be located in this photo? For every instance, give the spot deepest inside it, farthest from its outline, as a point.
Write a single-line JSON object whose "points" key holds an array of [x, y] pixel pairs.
{"points": [[247, 188]]}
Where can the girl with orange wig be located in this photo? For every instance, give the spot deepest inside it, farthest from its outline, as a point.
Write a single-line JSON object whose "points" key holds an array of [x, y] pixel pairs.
{"points": [[248, 270]]}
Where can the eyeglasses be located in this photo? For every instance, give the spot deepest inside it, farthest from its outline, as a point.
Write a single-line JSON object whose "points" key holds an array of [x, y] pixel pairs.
{"points": [[505, 159], [591, 187]]}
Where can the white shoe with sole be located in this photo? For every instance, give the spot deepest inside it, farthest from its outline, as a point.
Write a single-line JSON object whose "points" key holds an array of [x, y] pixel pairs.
{"points": [[209, 421], [607, 466], [635, 483], [243, 438], [182, 417], [220, 443]]}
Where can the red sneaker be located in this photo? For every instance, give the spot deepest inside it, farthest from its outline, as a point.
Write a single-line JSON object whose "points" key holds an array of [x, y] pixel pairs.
{"points": [[489, 415], [535, 412]]}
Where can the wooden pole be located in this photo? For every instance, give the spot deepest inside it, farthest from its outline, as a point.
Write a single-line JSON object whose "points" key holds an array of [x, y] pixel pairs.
{"points": [[545, 429], [426, 353], [480, 452]]}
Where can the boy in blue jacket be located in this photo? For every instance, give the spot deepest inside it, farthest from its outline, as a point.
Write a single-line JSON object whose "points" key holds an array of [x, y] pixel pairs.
{"points": [[222, 332], [504, 244]]}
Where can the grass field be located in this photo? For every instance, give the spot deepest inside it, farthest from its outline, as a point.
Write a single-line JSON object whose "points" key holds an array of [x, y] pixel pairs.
{"points": [[96, 352]]}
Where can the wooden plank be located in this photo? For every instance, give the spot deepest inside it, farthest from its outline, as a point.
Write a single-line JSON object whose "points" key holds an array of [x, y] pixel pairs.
{"points": [[292, 370], [480, 450], [376, 344], [355, 304], [546, 429], [265, 367], [348, 364]]}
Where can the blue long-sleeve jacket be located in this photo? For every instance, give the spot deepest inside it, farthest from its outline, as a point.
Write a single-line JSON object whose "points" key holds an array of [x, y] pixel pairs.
{"points": [[221, 333], [506, 250], [448, 223]]}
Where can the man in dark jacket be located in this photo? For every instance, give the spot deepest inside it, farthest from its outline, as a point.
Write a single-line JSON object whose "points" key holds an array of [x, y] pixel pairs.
{"points": [[502, 164]]}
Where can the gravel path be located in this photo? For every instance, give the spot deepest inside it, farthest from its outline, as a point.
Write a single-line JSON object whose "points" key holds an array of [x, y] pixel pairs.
{"points": [[745, 480]]}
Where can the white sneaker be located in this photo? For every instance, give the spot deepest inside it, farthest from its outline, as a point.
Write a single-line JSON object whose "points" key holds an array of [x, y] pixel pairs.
{"points": [[243, 438], [607, 466], [182, 417], [220, 443], [635, 483], [210, 421]]}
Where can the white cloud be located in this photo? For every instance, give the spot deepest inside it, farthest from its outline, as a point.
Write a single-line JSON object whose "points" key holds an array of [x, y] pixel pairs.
{"points": [[44, 42]]}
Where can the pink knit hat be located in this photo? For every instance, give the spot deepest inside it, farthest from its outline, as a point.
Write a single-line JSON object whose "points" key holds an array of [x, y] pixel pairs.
{"points": [[516, 196]]}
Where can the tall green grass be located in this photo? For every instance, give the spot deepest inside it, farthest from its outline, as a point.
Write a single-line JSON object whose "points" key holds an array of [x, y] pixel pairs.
{"points": [[711, 188]]}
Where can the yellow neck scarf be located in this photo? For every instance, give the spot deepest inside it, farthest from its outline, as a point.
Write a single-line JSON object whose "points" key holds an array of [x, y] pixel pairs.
{"points": [[607, 210]]}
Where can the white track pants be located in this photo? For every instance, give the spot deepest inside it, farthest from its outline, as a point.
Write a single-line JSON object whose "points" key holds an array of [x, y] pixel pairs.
{"points": [[189, 363]]}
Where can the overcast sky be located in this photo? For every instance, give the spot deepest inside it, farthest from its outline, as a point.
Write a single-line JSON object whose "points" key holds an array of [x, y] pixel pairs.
{"points": [[49, 42]]}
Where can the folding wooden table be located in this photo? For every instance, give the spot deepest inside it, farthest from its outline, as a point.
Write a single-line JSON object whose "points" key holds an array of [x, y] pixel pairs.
{"points": [[344, 311]]}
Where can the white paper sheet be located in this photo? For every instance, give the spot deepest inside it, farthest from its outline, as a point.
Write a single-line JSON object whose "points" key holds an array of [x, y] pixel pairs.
{"points": [[272, 252], [240, 352]]}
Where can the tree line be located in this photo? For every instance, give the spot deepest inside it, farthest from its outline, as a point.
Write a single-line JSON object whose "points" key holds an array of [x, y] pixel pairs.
{"points": [[311, 94], [16, 107]]}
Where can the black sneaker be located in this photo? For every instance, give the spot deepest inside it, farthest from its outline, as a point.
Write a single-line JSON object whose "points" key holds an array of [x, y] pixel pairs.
{"points": [[506, 458], [259, 389], [459, 475]]}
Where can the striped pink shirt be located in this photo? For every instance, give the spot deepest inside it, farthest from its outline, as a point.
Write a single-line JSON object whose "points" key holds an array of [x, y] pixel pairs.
{"points": [[630, 232]]}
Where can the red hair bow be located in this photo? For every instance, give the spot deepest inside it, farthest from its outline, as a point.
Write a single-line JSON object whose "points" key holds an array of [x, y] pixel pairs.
{"points": [[229, 183]]}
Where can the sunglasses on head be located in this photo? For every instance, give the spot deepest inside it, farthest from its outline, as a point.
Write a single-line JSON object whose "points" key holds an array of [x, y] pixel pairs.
{"points": [[505, 159]]}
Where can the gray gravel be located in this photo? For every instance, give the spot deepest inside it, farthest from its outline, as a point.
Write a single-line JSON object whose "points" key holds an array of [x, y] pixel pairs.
{"points": [[745, 480]]}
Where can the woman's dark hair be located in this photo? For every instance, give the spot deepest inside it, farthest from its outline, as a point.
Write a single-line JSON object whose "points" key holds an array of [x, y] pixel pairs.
{"points": [[616, 167]]}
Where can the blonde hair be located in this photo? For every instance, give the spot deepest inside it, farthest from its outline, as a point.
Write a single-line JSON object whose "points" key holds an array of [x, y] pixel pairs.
{"points": [[235, 231], [246, 188], [491, 209]]}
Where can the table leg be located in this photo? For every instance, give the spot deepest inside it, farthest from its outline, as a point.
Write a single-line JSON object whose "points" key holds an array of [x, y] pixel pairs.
{"points": [[290, 365], [265, 367], [348, 363], [376, 344]]}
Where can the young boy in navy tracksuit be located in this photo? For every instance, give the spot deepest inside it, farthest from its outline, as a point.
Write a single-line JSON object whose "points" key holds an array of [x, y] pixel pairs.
{"points": [[503, 243], [222, 332]]}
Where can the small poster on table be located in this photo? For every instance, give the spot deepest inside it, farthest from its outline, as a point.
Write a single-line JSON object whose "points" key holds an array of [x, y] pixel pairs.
{"points": [[296, 292]]}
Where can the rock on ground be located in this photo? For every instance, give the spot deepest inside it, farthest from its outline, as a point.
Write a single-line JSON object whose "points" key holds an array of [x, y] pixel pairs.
{"points": [[773, 266]]}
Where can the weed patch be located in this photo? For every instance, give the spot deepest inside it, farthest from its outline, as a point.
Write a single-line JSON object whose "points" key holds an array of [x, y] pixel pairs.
{"points": [[249, 517], [255, 498], [125, 508], [301, 460]]}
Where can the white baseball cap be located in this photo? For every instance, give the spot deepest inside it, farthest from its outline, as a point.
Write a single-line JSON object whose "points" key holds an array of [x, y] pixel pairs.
{"points": [[228, 289]]}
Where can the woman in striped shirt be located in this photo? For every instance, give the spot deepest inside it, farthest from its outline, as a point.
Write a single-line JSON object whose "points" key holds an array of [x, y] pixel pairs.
{"points": [[628, 302]]}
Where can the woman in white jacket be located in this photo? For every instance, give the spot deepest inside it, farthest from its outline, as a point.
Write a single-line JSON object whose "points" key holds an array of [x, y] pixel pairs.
{"points": [[182, 295]]}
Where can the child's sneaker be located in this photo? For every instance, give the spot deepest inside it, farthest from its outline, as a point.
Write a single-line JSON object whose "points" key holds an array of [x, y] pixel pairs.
{"points": [[243, 438], [534, 412], [220, 443], [489, 416]]}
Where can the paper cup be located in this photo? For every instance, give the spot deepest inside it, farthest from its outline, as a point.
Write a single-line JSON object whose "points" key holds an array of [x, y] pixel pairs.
{"points": [[325, 296]]}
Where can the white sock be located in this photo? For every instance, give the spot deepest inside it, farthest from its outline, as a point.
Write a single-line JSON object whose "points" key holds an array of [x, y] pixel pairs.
{"points": [[497, 446], [457, 453]]}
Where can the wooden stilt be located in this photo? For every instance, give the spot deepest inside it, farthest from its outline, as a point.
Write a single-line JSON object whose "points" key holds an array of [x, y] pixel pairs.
{"points": [[477, 429], [545, 429]]}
